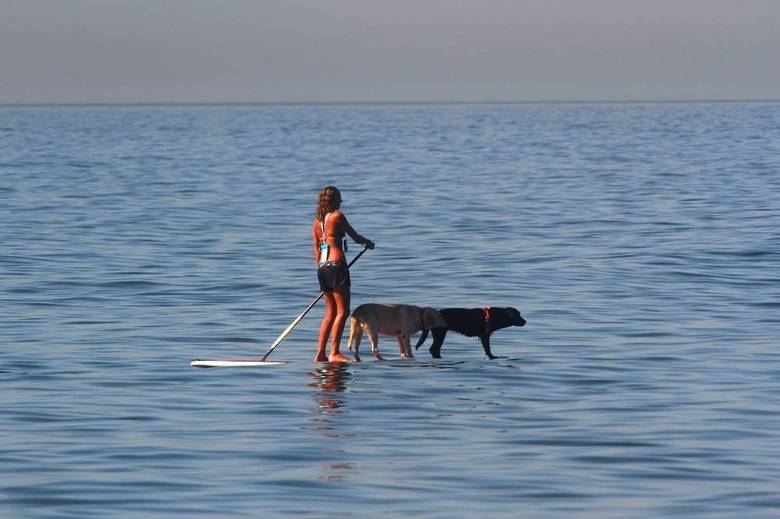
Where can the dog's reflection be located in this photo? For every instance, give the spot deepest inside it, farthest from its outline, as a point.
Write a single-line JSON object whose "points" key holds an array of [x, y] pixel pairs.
{"points": [[331, 380]]}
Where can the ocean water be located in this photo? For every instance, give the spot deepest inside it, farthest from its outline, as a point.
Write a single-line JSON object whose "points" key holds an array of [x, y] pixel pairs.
{"points": [[640, 241]]}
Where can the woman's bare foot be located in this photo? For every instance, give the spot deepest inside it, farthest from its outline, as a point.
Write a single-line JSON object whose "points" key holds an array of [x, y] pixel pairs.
{"points": [[321, 357], [338, 357]]}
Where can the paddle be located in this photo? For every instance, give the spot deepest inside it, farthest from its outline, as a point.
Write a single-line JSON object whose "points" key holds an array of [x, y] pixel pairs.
{"points": [[298, 319]]}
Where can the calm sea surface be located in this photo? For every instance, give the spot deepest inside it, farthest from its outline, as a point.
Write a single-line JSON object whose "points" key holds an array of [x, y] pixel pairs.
{"points": [[640, 241]]}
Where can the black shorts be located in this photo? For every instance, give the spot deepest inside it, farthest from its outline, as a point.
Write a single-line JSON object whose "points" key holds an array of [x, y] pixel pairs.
{"points": [[332, 275]]}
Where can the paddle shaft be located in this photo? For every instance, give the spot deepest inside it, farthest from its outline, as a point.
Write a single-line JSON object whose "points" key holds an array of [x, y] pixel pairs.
{"points": [[298, 319]]}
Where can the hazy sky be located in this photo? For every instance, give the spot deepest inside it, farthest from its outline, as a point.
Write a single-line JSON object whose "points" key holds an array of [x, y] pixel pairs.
{"points": [[389, 50]]}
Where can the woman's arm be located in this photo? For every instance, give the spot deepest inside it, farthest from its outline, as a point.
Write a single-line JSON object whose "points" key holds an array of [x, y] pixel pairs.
{"points": [[357, 238]]}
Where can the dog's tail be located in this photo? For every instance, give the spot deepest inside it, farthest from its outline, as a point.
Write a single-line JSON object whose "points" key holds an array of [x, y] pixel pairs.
{"points": [[423, 336], [355, 332]]}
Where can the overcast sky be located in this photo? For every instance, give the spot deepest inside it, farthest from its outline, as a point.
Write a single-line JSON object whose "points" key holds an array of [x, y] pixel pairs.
{"points": [[390, 50]]}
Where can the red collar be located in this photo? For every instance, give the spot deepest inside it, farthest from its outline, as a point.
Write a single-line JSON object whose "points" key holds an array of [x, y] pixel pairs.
{"points": [[487, 319]]}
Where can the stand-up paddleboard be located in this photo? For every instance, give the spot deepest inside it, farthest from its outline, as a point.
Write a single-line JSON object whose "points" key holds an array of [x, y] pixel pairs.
{"points": [[234, 363], [231, 363]]}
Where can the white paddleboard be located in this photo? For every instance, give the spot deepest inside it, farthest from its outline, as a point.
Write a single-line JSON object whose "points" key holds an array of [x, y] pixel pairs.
{"points": [[232, 363]]}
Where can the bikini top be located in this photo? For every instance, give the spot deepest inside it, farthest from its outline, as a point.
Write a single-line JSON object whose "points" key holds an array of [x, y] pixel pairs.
{"points": [[323, 223], [324, 247]]}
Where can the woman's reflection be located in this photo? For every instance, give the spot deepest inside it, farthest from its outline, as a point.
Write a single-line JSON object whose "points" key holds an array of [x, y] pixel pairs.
{"points": [[328, 386], [331, 381]]}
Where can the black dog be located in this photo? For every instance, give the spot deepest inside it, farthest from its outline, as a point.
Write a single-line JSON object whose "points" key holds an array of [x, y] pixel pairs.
{"points": [[472, 322]]}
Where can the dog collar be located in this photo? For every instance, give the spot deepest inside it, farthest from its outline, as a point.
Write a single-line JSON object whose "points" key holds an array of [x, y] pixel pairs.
{"points": [[487, 319]]}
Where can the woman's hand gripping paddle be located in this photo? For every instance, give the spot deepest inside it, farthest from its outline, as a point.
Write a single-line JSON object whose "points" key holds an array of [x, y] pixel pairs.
{"points": [[298, 319]]}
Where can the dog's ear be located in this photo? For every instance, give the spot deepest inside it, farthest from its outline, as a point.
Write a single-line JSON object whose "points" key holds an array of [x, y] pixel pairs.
{"points": [[432, 318]]}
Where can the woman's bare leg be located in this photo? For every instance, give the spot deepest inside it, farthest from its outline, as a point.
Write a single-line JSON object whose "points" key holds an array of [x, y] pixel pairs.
{"points": [[325, 327], [341, 299]]}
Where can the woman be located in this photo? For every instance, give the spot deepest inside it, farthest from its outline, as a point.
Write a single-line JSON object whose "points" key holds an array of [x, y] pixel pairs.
{"points": [[330, 226]]}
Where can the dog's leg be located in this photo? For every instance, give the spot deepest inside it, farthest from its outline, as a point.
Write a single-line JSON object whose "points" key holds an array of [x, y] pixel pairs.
{"points": [[354, 325], [486, 345], [374, 340], [358, 337], [438, 340], [401, 347], [405, 347], [355, 334]]}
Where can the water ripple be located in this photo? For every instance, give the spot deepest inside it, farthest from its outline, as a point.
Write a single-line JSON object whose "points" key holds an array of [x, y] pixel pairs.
{"points": [[638, 241]]}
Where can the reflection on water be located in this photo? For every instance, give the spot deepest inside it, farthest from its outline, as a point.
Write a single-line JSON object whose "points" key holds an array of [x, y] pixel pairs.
{"points": [[329, 385], [330, 382], [640, 242], [331, 378], [336, 472]]}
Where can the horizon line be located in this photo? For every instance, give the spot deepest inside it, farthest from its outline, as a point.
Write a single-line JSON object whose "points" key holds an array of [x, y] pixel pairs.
{"points": [[346, 103]]}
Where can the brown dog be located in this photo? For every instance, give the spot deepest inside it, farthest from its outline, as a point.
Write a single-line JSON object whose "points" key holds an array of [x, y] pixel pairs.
{"points": [[400, 321]]}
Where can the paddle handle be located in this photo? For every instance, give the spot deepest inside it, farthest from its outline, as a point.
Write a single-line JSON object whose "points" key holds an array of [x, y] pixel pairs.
{"points": [[298, 319]]}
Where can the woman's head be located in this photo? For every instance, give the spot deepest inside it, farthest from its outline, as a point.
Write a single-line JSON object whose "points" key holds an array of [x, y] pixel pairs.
{"points": [[328, 201]]}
